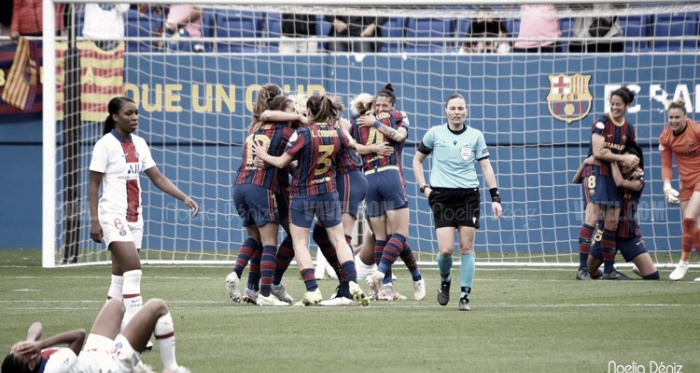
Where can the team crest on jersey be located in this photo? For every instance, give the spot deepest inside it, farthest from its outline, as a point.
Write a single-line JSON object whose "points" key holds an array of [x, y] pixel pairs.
{"points": [[122, 232], [569, 98], [465, 152]]}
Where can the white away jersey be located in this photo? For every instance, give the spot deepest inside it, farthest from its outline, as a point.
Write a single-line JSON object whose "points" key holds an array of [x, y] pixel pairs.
{"points": [[121, 160], [60, 361], [97, 361]]}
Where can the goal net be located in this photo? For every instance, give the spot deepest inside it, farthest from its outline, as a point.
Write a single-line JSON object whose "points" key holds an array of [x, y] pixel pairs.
{"points": [[195, 95]]}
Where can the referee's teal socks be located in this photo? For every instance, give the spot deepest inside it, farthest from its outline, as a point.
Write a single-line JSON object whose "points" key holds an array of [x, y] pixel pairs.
{"points": [[466, 274], [444, 265]]}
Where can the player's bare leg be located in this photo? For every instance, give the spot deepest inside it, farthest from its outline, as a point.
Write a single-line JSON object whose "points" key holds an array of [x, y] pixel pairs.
{"points": [[155, 318], [127, 259]]}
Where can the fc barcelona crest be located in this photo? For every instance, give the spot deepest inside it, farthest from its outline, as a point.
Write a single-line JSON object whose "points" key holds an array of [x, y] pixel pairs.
{"points": [[569, 98]]}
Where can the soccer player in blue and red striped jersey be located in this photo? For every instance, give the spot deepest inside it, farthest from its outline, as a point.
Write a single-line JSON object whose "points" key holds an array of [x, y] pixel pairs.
{"points": [[629, 236], [610, 135], [254, 197], [314, 194], [387, 203], [285, 111]]}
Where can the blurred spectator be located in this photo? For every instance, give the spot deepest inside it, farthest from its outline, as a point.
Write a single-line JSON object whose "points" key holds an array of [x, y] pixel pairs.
{"points": [[5, 20], [597, 27], [27, 18], [538, 21], [354, 26], [185, 21], [485, 26], [104, 23], [302, 28], [186, 18]]}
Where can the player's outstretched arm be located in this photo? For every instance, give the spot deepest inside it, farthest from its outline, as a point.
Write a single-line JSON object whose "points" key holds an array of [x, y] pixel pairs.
{"points": [[282, 116], [167, 186], [601, 153], [382, 149], [398, 135]]}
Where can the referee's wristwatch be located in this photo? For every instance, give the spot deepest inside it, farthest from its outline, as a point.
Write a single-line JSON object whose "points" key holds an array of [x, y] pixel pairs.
{"points": [[424, 187]]}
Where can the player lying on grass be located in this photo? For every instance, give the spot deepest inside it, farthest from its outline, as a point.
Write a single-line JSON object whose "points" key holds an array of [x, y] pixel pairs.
{"points": [[629, 240], [106, 350]]}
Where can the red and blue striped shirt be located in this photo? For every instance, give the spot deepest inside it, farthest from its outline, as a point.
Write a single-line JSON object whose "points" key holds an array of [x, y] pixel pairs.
{"points": [[275, 136], [616, 137], [316, 148], [628, 226], [369, 136]]}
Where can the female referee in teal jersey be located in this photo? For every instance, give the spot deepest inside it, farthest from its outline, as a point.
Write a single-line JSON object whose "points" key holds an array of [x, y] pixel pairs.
{"points": [[453, 193]]}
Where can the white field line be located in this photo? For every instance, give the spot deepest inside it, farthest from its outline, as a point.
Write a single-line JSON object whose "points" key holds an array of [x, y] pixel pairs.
{"points": [[206, 305]]}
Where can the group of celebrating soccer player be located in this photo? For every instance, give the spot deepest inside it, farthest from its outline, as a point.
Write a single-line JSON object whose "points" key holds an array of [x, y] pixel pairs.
{"points": [[335, 165], [613, 180]]}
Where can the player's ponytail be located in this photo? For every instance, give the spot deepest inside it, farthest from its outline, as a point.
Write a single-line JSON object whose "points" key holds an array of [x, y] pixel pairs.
{"points": [[388, 92], [266, 94], [278, 103], [108, 125], [362, 104], [113, 108], [625, 94], [678, 104], [324, 109]]}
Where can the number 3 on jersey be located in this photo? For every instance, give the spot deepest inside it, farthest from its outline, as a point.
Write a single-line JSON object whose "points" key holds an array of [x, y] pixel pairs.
{"points": [[249, 146], [324, 161]]}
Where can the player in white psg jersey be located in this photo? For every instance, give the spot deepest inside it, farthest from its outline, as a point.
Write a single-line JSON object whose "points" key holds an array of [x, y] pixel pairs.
{"points": [[117, 160], [105, 351]]}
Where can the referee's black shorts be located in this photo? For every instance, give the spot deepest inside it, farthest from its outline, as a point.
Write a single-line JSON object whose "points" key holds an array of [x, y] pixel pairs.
{"points": [[455, 207]]}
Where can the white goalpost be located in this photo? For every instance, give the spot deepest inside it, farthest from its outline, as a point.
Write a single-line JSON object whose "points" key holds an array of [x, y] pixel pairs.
{"points": [[535, 109]]}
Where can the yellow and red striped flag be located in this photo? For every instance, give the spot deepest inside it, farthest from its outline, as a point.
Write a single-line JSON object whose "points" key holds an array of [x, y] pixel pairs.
{"points": [[101, 79], [23, 79]]}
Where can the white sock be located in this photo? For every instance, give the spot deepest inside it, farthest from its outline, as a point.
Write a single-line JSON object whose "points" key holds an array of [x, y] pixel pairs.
{"points": [[132, 295], [363, 270], [165, 335], [115, 288]]}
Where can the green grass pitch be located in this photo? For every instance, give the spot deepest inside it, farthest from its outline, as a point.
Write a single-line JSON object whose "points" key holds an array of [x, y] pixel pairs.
{"points": [[524, 320]]}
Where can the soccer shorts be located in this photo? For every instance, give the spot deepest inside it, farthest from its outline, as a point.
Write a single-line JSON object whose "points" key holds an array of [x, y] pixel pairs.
{"points": [[282, 198], [455, 207], [601, 189], [630, 248], [101, 354], [352, 189], [386, 191], [115, 228], [255, 205], [688, 188], [326, 207]]}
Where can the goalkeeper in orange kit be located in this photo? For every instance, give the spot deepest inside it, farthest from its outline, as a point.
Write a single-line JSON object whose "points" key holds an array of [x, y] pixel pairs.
{"points": [[681, 138]]}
